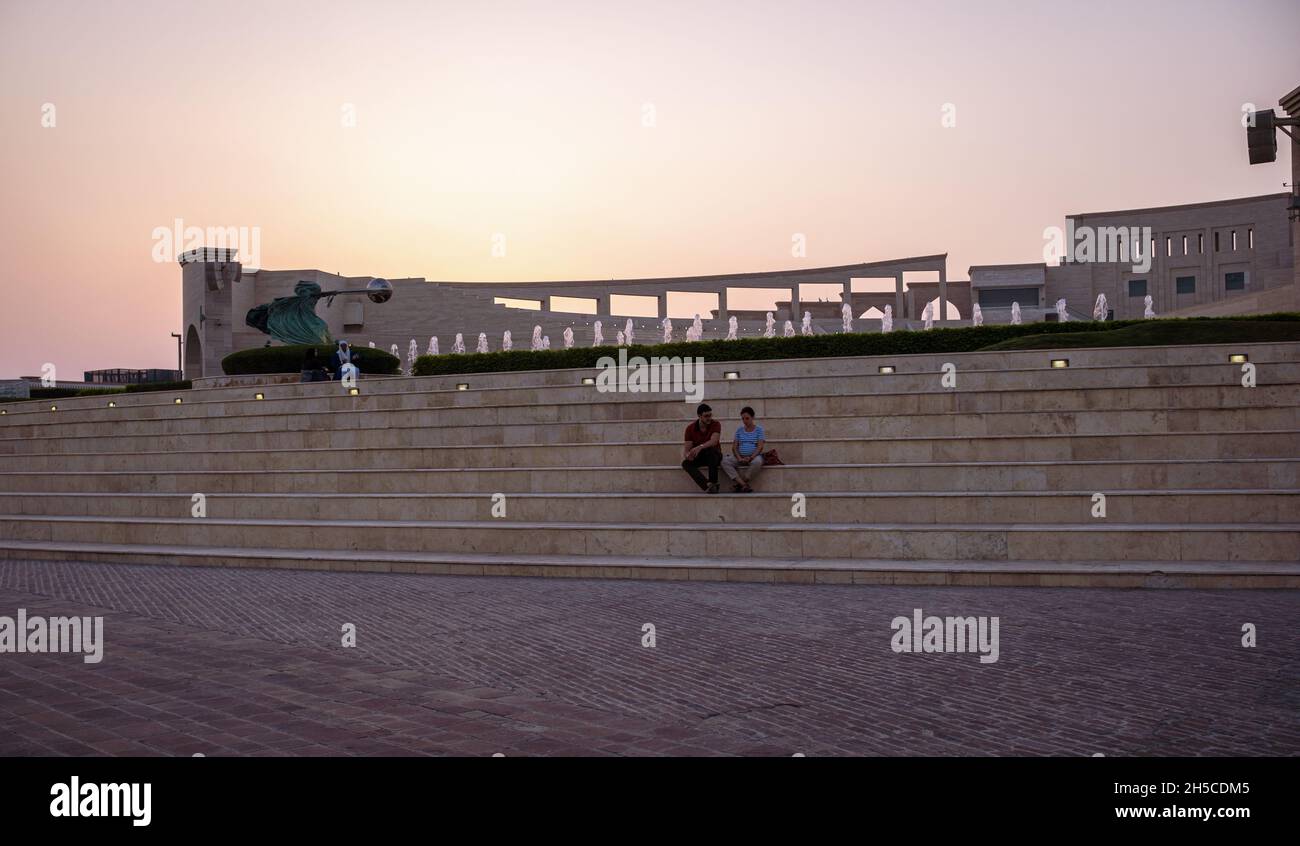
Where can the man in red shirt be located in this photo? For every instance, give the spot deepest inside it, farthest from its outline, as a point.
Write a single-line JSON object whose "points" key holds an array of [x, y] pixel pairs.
{"points": [[702, 449]]}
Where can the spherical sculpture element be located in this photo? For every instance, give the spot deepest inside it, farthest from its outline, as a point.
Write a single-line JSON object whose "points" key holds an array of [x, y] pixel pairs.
{"points": [[379, 290]]}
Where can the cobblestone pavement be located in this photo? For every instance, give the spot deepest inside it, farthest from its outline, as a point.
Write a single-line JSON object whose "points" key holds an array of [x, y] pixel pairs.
{"points": [[226, 661]]}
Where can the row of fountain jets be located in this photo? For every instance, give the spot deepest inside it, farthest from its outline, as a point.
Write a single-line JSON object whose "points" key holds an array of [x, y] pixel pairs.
{"points": [[695, 331]]}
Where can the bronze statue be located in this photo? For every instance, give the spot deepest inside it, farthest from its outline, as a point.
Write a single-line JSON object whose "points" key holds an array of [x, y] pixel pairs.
{"points": [[293, 320]]}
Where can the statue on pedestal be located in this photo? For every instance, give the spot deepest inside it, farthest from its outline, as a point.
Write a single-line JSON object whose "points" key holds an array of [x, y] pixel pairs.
{"points": [[293, 320]]}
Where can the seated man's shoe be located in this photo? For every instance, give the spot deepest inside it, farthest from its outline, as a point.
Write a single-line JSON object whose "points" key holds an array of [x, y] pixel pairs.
{"points": [[737, 488], [711, 489]]}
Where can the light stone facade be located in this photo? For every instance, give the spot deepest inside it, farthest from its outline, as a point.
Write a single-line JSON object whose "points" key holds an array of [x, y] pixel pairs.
{"points": [[1248, 241], [218, 295], [1222, 257]]}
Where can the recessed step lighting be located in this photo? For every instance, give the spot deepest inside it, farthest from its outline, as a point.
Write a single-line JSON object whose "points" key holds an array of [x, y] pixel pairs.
{"points": [[588, 380], [730, 374], [178, 401], [1060, 362], [54, 408], [462, 386], [259, 395], [1238, 358], [885, 368], [112, 404], [352, 392]]}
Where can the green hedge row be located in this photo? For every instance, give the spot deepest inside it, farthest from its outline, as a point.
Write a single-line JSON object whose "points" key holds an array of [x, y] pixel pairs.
{"points": [[1150, 333], [288, 359], [964, 339], [145, 387], [64, 393]]}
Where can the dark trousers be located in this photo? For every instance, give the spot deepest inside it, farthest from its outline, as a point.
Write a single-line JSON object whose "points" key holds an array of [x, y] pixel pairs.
{"points": [[710, 458]]}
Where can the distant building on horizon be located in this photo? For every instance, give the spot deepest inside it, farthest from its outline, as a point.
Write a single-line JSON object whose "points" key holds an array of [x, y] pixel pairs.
{"points": [[1214, 258], [125, 376]]}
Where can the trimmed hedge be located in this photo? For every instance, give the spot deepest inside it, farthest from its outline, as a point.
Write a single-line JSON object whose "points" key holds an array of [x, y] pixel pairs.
{"points": [[902, 342], [61, 393], [38, 393], [288, 359], [1152, 333], [145, 387]]}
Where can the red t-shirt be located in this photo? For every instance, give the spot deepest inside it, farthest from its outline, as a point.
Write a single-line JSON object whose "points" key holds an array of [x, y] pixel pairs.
{"points": [[697, 437]]}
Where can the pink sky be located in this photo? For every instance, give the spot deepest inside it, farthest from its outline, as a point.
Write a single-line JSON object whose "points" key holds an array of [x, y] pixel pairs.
{"points": [[526, 119]]}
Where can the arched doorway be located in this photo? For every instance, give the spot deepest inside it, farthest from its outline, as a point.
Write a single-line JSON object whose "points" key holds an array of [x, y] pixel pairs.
{"points": [[193, 354]]}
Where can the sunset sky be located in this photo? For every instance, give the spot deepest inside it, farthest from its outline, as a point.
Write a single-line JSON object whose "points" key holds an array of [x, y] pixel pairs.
{"points": [[528, 120]]}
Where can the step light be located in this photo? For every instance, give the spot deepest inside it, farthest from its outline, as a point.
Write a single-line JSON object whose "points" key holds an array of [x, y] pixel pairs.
{"points": [[885, 368], [178, 401], [259, 395], [354, 392], [730, 374], [1238, 358], [1058, 363], [3, 411], [54, 408], [112, 404], [462, 386], [588, 380]]}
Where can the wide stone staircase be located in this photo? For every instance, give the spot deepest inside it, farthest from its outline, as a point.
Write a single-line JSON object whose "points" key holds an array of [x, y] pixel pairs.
{"points": [[1128, 467]]}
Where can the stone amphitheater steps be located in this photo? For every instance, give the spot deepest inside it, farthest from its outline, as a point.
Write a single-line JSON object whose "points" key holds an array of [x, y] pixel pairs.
{"points": [[1179, 406], [386, 393], [902, 450], [971, 477], [906, 480], [1048, 573], [1138, 506], [1221, 542], [942, 424], [1275, 364]]}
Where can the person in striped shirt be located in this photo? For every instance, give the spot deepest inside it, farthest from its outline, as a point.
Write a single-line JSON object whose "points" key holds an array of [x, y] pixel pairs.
{"points": [[746, 457]]}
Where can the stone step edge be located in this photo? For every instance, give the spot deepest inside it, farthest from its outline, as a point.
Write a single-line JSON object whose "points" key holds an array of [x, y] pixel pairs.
{"points": [[672, 443], [663, 421], [535, 525], [41, 407], [1126, 574], [675, 495], [1062, 462]]}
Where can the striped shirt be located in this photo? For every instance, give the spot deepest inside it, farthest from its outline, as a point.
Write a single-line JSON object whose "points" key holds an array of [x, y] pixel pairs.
{"points": [[747, 442]]}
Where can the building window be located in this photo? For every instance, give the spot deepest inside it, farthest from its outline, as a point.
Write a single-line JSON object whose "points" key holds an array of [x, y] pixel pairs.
{"points": [[1185, 285], [1234, 240], [1184, 245], [1250, 238], [1200, 244], [1216, 242], [1169, 246], [1234, 281], [1004, 297], [1137, 287]]}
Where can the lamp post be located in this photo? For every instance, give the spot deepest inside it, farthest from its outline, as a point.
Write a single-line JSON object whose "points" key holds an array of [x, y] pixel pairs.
{"points": [[180, 358]]}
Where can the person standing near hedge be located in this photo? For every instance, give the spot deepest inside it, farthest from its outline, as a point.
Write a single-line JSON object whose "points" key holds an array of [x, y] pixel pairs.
{"points": [[702, 448], [746, 457]]}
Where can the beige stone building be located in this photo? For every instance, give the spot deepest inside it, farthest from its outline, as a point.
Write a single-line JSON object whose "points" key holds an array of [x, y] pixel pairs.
{"points": [[218, 294], [1221, 257], [1236, 256]]}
